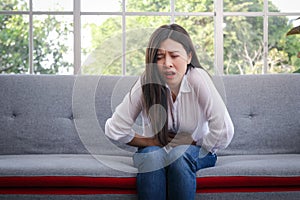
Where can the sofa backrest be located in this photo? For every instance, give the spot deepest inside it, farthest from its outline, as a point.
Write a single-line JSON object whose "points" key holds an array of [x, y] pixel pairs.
{"points": [[36, 115], [51, 114], [265, 110]]}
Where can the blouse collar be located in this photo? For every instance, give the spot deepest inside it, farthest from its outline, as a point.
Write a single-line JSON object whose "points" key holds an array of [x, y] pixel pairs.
{"points": [[184, 86]]}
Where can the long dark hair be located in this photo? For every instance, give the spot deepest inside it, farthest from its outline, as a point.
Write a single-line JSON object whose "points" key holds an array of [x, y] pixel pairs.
{"points": [[153, 85]]}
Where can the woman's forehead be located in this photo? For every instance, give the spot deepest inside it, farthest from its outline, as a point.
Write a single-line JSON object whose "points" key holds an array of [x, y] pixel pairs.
{"points": [[170, 45]]}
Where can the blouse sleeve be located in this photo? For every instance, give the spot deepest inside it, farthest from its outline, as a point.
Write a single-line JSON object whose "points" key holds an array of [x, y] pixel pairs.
{"points": [[220, 126], [119, 126]]}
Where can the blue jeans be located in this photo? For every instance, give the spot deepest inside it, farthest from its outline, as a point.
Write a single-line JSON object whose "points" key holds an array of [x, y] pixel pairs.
{"points": [[170, 175]]}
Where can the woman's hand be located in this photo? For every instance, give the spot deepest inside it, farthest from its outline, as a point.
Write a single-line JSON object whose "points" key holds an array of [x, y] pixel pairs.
{"points": [[181, 138], [141, 141]]}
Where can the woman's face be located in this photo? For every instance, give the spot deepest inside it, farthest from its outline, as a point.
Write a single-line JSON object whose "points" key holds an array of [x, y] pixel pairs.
{"points": [[172, 60]]}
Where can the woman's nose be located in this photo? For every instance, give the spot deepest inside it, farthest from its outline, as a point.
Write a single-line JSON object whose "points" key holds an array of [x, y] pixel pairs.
{"points": [[168, 61]]}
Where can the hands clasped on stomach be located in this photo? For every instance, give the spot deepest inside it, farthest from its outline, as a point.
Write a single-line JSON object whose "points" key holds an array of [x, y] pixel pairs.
{"points": [[182, 138]]}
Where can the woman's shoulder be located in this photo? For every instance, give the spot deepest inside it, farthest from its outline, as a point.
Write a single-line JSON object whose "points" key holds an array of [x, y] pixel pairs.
{"points": [[197, 75], [201, 81], [136, 88]]}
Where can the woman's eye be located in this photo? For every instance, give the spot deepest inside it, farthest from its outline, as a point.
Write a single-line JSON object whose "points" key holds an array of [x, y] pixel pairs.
{"points": [[160, 57]]}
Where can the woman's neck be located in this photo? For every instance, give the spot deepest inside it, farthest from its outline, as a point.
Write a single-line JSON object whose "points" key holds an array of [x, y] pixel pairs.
{"points": [[173, 96], [174, 92], [175, 89]]}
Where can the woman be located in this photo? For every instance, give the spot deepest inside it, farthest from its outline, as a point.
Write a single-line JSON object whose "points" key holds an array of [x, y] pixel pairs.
{"points": [[185, 120]]}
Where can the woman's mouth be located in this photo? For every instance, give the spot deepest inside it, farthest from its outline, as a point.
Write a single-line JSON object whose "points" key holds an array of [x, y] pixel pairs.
{"points": [[169, 74]]}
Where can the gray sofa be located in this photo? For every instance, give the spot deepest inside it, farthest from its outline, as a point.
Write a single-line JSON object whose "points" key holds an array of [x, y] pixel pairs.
{"points": [[52, 144]]}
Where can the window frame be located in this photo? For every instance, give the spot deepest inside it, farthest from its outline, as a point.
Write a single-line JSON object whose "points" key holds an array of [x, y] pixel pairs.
{"points": [[218, 15]]}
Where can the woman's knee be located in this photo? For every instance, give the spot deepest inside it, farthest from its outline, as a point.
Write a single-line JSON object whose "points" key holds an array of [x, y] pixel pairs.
{"points": [[189, 151], [183, 157]]}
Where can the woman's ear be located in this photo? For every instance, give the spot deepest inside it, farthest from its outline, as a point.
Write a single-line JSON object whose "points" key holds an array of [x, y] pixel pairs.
{"points": [[189, 58]]}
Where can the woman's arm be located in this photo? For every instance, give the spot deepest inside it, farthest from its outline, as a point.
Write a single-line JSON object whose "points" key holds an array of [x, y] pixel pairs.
{"points": [[220, 126], [120, 126], [140, 141]]}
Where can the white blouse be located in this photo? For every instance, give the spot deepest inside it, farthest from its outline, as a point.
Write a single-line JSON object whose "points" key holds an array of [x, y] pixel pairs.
{"points": [[198, 110]]}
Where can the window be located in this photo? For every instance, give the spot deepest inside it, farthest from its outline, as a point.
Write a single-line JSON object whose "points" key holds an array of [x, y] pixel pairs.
{"points": [[109, 37]]}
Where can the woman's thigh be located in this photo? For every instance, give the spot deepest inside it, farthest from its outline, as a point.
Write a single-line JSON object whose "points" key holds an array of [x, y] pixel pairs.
{"points": [[149, 159]]}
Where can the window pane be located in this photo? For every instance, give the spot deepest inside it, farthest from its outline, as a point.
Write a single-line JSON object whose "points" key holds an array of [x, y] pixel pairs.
{"points": [[243, 6], [53, 44], [148, 6], [243, 45], [101, 45], [201, 30], [284, 5], [194, 6], [9, 5], [52, 5], [283, 55], [138, 32], [14, 44], [101, 6]]}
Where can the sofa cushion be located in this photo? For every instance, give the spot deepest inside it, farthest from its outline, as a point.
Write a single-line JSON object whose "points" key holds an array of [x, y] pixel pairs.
{"points": [[121, 166], [36, 115], [66, 165], [265, 110], [49, 114], [255, 165]]}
